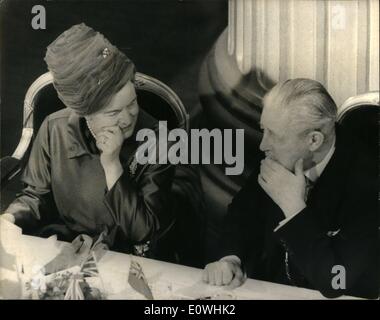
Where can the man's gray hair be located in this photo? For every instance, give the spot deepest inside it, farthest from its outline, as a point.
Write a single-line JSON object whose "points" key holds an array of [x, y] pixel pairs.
{"points": [[307, 101]]}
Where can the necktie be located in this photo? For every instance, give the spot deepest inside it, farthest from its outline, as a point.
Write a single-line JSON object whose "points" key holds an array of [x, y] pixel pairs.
{"points": [[308, 187]]}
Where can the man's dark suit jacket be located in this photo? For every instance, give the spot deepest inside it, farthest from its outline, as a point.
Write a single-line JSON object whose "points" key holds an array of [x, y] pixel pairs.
{"points": [[344, 198]]}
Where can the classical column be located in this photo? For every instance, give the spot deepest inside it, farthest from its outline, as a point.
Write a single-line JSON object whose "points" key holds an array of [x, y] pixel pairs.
{"points": [[334, 42], [266, 41]]}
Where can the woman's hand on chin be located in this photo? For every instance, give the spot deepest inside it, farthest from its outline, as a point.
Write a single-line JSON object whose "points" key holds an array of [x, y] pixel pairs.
{"points": [[109, 142]]}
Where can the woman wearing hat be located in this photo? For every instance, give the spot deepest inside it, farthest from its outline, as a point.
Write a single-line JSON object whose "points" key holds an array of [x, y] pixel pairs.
{"points": [[81, 176]]}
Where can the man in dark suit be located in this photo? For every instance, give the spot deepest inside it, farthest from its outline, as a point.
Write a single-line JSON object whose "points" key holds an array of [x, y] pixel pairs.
{"points": [[308, 215]]}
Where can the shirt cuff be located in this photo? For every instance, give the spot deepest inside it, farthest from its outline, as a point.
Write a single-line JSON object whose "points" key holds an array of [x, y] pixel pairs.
{"points": [[231, 258], [286, 220]]}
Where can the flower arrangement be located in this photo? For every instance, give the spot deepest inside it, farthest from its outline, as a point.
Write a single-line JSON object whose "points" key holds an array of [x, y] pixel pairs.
{"points": [[79, 279], [70, 284]]}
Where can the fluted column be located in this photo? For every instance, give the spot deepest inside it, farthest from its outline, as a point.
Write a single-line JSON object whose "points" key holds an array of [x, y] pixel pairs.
{"points": [[334, 42]]}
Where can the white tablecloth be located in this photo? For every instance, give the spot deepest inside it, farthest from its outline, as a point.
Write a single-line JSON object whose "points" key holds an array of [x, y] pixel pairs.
{"points": [[167, 281]]}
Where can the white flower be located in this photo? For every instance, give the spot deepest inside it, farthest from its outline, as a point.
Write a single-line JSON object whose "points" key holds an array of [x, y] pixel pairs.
{"points": [[38, 281]]}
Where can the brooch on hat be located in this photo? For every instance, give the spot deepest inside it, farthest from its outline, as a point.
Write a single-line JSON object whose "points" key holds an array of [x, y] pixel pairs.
{"points": [[106, 52]]}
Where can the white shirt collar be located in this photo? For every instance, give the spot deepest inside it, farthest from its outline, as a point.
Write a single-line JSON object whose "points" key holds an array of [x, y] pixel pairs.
{"points": [[315, 172]]}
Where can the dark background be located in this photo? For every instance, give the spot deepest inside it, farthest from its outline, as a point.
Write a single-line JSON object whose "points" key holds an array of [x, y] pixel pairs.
{"points": [[167, 39]]}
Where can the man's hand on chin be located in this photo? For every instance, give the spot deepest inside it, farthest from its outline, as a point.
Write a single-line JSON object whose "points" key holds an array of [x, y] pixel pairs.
{"points": [[286, 189]]}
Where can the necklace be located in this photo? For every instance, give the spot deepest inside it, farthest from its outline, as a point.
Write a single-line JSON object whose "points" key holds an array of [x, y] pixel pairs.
{"points": [[89, 128]]}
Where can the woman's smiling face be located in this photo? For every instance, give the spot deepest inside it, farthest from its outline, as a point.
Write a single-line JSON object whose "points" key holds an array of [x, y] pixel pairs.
{"points": [[122, 111]]}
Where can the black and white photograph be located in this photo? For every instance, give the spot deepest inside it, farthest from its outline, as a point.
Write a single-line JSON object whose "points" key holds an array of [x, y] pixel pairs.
{"points": [[189, 150]]}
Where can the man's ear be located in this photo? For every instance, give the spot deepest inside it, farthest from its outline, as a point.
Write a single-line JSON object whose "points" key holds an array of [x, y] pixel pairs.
{"points": [[316, 139]]}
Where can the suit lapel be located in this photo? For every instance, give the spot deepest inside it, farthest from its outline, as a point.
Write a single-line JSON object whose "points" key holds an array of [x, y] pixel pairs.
{"points": [[325, 197]]}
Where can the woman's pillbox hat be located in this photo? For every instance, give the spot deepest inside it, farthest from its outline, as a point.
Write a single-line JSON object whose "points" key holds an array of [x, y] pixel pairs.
{"points": [[87, 69]]}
